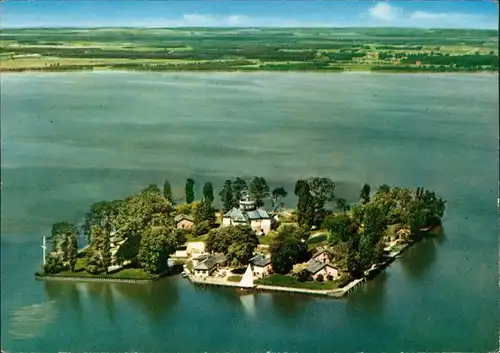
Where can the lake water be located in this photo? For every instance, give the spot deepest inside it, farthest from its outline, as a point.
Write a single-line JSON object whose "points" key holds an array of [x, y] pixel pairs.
{"points": [[71, 139]]}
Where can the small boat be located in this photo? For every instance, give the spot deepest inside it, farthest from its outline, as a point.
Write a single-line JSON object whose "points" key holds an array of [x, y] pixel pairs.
{"points": [[184, 274]]}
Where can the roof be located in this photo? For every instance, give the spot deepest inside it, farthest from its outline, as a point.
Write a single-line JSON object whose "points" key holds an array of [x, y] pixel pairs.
{"points": [[182, 216], [207, 264], [239, 215], [236, 215], [314, 266], [210, 262], [260, 260], [320, 251]]}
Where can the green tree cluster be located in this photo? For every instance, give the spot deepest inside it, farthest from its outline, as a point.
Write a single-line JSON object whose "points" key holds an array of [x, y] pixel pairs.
{"points": [[236, 242], [288, 248]]}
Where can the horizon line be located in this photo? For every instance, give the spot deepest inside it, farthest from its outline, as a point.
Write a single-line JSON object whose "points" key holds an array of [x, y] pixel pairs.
{"points": [[247, 27]]}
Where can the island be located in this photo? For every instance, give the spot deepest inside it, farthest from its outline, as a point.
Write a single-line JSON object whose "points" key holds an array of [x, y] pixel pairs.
{"points": [[325, 246], [249, 49]]}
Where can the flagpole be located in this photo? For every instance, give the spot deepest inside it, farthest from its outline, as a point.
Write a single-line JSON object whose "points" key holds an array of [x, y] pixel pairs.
{"points": [[43, 247]]}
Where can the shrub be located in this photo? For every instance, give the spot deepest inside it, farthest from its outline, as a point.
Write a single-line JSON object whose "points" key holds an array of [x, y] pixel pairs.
{"points": [[202, 228], [303, 276], [329, 277], [320, 278]]}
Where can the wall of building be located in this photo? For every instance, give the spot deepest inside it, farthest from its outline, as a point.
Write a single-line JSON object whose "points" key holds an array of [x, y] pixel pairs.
{"points": [[326, 271], [261, 271], [185, 224]]}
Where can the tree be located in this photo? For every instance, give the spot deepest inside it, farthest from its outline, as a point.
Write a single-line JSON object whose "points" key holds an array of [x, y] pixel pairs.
{"points": [[189, 189], [239, 186], [342, 205], [167, 192], [59, 232], [244, 242], [305, 207], [219, 240], [97, 238], [277, 195], [288, 248], [106, 249], [365, 194], [151, 188], [259, 190], [204, 212], [100, 213], [157, 244], [384, 188], [226, 196], [322, 191], [312, 197], [94, 264], [208, 192], [340, 227], [72, 250]]}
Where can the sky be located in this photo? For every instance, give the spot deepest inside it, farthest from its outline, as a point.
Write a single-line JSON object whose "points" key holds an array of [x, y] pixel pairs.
{"points": [[249, 13]]}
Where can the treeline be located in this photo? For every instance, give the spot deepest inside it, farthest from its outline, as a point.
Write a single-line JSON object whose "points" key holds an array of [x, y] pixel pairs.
{"points": [[428, 68], [476, 60], [262, 52]]}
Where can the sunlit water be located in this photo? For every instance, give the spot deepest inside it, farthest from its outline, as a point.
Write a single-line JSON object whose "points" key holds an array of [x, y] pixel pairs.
{"points": [[70, 139]]}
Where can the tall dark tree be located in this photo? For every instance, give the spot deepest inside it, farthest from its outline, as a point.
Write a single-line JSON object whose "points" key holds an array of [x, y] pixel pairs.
{"points": [[106, 249], [365, 194], [226, 196], [277, 195], [239, 185], [189, 190], [167, 192], [305, 204], [259, 190], [208, 192], [72, 250]]}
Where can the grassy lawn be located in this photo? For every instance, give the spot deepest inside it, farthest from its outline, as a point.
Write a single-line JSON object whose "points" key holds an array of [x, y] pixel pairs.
{"points": [[194, 238], [234, 278], [289, 281]]}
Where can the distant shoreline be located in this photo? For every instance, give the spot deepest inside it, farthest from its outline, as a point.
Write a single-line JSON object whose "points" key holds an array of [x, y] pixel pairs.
{"points": [[391, 71]]}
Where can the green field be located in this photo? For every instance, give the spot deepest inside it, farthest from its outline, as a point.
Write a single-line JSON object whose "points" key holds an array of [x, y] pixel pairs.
{"points": [[249, 49]]}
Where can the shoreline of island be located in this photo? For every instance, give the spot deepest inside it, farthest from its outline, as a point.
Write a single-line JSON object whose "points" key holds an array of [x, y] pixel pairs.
{"points": [[149, 236]]}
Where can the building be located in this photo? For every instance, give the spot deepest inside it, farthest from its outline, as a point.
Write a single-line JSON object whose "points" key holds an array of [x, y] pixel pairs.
{"points": [[322, 255], [261, 265], [316, 268], [257, 218], [184, 221], [208, 266]]}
